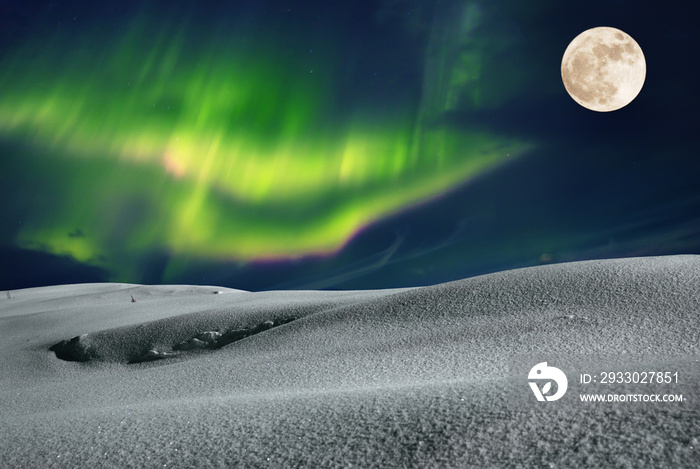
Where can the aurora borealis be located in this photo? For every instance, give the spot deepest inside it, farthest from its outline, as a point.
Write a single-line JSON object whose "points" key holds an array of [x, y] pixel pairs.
{"points": [[222, 150], [217, 136]]}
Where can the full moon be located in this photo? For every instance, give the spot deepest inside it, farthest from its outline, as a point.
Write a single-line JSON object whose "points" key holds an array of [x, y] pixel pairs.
{"points": [[603, 69]]}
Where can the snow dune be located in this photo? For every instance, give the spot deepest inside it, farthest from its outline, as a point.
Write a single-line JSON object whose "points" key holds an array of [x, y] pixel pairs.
{"points": [[194, 376]]}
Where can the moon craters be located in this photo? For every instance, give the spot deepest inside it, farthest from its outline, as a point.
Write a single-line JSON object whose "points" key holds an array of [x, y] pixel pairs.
{"points": [[603, 69]]}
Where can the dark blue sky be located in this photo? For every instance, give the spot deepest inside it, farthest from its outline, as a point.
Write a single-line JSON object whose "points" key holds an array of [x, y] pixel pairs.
{"points": [[593, 185]]}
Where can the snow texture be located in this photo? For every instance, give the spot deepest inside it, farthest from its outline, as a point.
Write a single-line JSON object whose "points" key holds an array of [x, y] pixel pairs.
{"points": [[418, 377]]}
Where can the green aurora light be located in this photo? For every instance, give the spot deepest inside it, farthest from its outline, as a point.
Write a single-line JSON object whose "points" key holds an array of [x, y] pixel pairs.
{"points": [[222, 149]]}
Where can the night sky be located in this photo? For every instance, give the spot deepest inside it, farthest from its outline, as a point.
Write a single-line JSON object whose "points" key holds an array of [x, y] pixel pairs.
{"points": [[333, 144]]}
